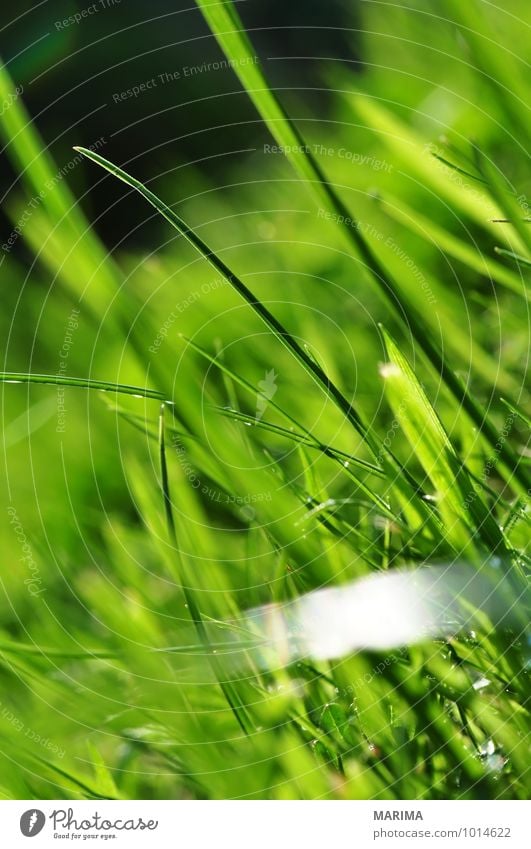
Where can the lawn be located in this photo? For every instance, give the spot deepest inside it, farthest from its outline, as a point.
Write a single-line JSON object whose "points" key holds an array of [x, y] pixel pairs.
{"points": [[265, 335]]}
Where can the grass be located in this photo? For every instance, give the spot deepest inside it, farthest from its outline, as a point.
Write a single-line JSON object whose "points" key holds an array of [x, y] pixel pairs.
{"points": [[265, 415]]}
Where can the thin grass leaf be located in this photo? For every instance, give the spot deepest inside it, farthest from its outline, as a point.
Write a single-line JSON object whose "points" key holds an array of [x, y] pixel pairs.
{"points": [[417, 155], [46, 651], [166, 484], [457, 168], [403, 479], [267, 317], [82, 383], [82, 783], [230, 692]]}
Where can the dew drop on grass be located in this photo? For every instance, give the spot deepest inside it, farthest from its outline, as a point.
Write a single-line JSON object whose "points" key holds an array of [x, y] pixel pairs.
{"points": [[481, 683], [487, 748]]}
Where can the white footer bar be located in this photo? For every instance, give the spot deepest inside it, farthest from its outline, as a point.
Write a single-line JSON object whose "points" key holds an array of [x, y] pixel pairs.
{"points": [[266, 825]]}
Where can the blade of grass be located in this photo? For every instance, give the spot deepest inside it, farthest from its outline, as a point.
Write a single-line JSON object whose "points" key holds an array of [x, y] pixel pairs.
{"points": [[223, 367], [82, 383], [417, 156], [457, 168], [300, 438], [517, 412], [229, 691], [60, 235], [461, 505], [267, 317]]}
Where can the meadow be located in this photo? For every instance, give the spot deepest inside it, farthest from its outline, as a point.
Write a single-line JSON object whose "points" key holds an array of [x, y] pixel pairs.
{"points": [[281, 349]]}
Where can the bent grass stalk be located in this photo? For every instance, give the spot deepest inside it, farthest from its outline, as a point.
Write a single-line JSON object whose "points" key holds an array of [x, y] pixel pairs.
{"points": [[412, 503]]}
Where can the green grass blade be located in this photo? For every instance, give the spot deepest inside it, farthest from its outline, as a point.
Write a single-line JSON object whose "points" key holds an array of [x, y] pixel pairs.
{"points": [[166, 487], [417, 156], [517, 412], [457, 168], [230, 693], [82, 383], [461, 506], [267, 317]]}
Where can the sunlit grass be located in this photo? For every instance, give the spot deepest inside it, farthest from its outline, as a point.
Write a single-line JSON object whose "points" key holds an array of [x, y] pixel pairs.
{"points": [[139, 536]]}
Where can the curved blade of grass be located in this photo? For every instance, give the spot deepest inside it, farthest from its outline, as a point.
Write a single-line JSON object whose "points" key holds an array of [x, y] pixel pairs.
{"points": [[403, 480], [267, 317], [64, 773], [60, 235], [225, 23], [417, 155], [82, 383], [401, 476], [241, 381]]}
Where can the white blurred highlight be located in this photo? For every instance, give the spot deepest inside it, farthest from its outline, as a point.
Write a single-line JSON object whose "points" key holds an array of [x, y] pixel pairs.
{"points": [[382, 611]]}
